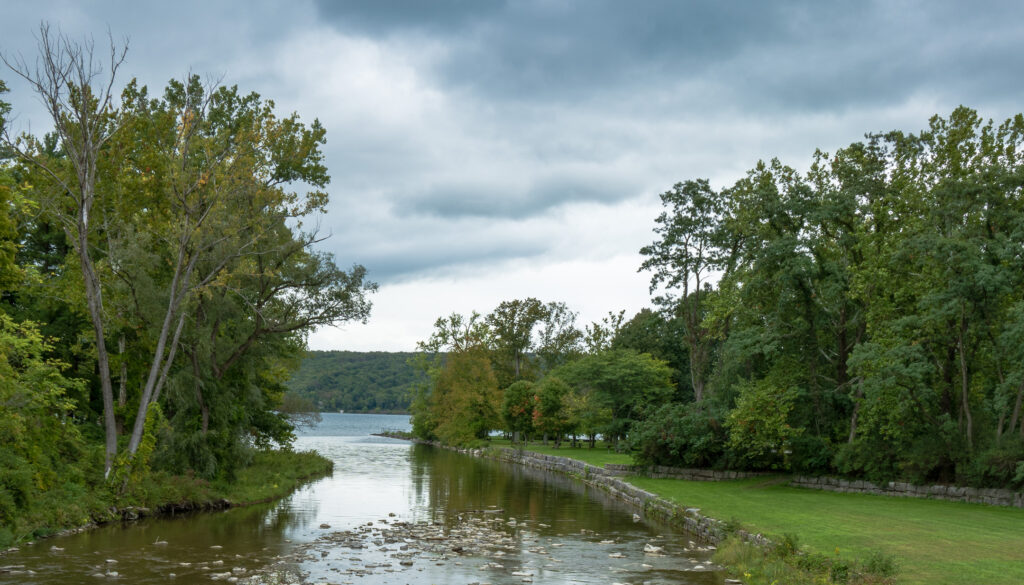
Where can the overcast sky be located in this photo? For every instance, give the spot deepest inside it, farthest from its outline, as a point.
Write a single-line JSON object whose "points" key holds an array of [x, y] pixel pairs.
{"points": [[483, 151]]}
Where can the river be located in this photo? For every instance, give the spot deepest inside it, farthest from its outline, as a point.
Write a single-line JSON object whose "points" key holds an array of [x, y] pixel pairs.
{"points": [[545, 528]]}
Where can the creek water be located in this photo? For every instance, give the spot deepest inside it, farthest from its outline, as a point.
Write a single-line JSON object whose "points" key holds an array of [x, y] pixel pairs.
{"points": [[561, 530]]}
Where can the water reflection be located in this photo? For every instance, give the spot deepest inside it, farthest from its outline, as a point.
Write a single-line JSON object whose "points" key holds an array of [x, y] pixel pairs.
{"points": [[585, 535]]}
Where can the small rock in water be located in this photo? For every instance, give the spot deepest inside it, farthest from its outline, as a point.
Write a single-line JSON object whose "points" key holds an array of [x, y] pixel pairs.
{"points": [[636, 517], [111, 562], [216, 547], [325, 525], [56, 548]]}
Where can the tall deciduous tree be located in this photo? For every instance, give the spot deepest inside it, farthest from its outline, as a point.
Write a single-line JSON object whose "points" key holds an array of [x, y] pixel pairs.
{"points": [[208, 168], [69, 80], [559, 340], [689, 250], [513, 324]]}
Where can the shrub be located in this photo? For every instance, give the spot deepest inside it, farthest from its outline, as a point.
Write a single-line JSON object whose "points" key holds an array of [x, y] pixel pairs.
{"points": [[759, 429], [999, 466], [881, 564], [684, 435], [811, 455]]}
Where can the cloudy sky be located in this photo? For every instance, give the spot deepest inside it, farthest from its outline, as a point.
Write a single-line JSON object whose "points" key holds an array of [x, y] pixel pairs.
{"points": [[486, 150]]}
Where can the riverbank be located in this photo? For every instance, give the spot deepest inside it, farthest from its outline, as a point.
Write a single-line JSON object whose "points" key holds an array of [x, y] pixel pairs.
{"points": [[934, 542], [77, 507], [838, 535]]}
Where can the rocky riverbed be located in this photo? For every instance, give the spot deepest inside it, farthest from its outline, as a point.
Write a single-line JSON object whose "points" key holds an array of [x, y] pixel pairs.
{"points": [[500, 548]]}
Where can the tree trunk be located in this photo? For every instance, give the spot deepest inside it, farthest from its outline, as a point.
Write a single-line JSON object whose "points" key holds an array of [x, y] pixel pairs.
{"points": [[122, 390], [856, 410], [965, 381], [163, 355], [1016, 410], [204, 410], [94, 300]]}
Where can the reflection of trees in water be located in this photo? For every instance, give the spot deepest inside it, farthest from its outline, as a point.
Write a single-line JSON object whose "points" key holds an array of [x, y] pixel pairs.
{"points": [[419, 475], [277, 519], [457, 483]]}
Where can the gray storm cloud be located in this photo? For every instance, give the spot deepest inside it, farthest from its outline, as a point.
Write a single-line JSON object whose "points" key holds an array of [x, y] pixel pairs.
{"points": [[467, 135]]}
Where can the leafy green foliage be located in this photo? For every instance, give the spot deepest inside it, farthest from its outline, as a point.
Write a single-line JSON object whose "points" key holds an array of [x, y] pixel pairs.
{"points": [[680, 434], [517, 408], [867, 320], [628, 383], [159, 245], [42, 446], [759, 429], [465, 402], [550, 413]]}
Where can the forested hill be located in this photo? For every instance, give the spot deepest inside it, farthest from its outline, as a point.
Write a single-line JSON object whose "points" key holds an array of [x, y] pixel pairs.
{"points": [[356, 381]]}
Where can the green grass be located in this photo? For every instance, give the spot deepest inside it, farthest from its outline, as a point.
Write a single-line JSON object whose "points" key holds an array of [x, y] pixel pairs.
{"points": [[273, 475], [936, 542], [597, 456]]}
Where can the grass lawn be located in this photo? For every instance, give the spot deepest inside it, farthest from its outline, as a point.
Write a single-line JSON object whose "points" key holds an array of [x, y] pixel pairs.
{"points": [[936, 542], [597, 456]]}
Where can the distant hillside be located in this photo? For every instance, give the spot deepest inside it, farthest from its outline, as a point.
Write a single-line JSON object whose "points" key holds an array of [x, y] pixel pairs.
{"points": [[356, 381]]}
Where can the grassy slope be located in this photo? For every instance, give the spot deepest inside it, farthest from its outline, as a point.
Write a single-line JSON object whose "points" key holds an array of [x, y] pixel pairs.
{"points": [[936, 542], [273, 475], [597, 456]]}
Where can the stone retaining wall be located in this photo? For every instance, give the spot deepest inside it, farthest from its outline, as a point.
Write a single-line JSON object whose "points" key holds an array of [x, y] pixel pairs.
{"points": [[660, 471], [644, 503], [987, 496], [992, 497]]}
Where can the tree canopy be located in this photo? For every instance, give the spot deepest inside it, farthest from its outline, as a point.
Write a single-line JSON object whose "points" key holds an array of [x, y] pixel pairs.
{"points": [[155, 272]]}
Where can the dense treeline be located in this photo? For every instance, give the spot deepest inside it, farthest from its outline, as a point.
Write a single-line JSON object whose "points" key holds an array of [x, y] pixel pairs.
{"points": [[156, 286], [865, 318], [528, 369], [354, 381]]}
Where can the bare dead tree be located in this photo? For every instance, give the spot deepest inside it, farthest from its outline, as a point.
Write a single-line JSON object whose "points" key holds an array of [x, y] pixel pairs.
{"points": [[69, 79]]}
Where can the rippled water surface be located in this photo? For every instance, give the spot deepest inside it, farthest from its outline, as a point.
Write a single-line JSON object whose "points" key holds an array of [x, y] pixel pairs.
{"points": [[561, 530]]}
